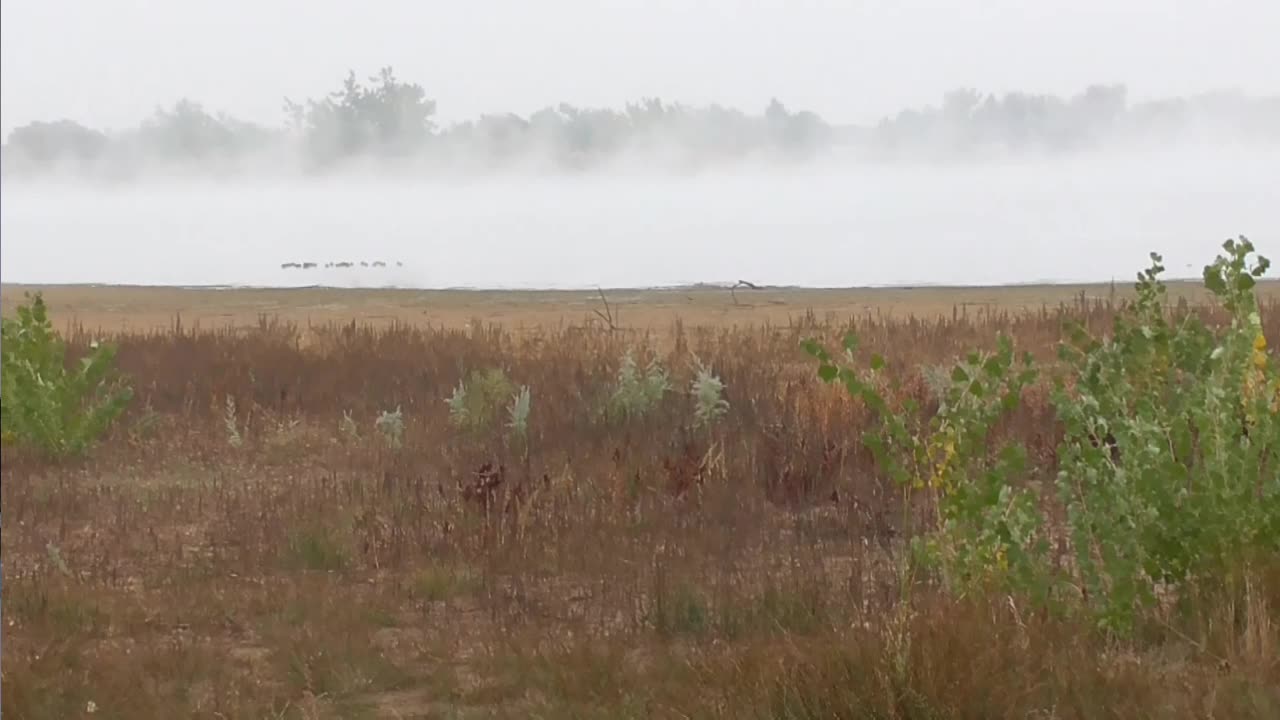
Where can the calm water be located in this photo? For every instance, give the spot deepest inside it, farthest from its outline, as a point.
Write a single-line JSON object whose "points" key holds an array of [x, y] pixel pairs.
{"points": [[1087, 218]]}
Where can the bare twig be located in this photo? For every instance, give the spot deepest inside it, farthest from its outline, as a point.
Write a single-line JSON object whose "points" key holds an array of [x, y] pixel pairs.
{"points": [[607, 315], [741, 283]]}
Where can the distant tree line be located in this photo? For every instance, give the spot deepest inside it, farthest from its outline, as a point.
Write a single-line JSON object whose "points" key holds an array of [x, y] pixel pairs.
{"points": [[388, 122], [968, 121]]}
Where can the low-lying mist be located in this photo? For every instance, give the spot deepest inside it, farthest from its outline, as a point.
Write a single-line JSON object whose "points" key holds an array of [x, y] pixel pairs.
{"points": [[363, 187], [1084, 216]]}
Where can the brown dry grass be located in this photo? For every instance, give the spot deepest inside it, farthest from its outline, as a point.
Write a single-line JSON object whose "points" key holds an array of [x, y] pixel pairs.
{"points": [[643, 570]]}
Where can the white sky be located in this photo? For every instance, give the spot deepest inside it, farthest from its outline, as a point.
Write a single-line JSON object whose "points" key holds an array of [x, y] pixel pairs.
{"points": [[109, 63]]}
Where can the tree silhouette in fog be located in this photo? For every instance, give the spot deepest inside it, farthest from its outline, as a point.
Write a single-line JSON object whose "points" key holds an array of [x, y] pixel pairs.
{"points": [[388, 121], [386, 117], [43, 145]]}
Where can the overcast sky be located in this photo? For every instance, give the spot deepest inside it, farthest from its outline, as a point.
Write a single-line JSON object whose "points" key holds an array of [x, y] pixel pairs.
{"points": [[108, 63]]}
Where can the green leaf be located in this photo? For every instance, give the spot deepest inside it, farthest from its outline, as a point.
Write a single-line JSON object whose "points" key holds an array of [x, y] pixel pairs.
{"points": [[1009, 402], [855, 386], [993, 367], [1213, 280], [813, 348], [851, 343]]}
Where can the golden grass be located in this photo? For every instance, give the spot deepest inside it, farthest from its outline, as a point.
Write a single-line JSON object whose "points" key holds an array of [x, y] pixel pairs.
{"points": [[142, 309]]}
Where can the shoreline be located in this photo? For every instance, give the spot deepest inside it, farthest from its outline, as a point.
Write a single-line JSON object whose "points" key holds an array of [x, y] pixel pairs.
{"points": [[681, 287]]}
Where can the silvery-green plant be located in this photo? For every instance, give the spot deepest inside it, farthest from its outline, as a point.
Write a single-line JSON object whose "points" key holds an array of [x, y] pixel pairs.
{"points": [[391, 425], [56, 559], [457, 403], [348, 426], [937, 379], [229, 420], [636, 394], [707, 391], [519, 413]]}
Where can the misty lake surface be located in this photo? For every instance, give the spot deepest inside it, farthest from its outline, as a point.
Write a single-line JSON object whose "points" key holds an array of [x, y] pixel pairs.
{"points": [[1079, 218]]}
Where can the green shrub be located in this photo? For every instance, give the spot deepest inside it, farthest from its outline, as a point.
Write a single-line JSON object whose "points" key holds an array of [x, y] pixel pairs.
{"points": [[391, 426], [1169, 466], [518, 414], [988, 528], [708, 396], [317, 548], [477, 401], [1169, 469], [636, 393], [44, 405]]}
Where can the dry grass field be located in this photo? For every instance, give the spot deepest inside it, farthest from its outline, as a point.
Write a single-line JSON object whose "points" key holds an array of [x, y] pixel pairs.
{"points": [[129, 309], [249, 542]]}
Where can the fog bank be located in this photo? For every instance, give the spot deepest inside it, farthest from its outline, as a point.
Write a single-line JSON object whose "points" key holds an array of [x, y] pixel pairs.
{"points": [[1091, 216]]}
